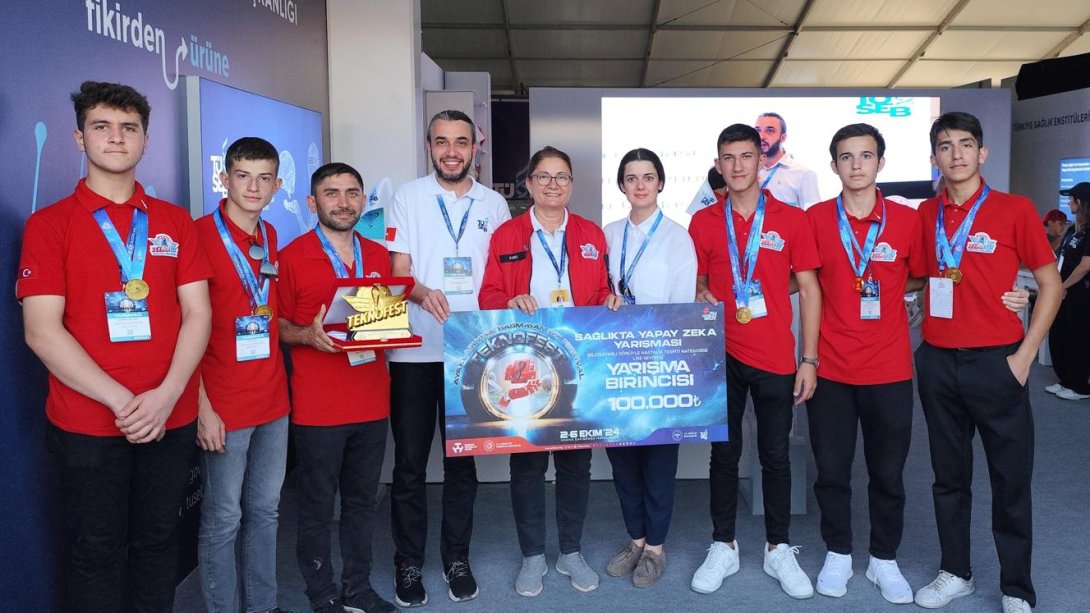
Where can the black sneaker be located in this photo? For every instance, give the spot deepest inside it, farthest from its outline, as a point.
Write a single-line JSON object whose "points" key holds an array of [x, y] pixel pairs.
{"points": [[366, 601], [410, 586], [329, 606], [459, 576]]}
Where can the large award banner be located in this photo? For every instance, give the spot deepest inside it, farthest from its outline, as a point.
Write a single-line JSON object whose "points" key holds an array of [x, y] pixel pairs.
{"points": [[573, 378]]}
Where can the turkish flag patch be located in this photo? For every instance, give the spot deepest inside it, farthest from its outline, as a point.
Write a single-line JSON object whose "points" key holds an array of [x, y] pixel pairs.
{"points": [[28, 272], [391, 234]]}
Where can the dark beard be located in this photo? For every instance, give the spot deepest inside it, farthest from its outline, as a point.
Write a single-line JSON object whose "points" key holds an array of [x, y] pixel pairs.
{"points": [[334, 224], [455, 178], [773, 150]]}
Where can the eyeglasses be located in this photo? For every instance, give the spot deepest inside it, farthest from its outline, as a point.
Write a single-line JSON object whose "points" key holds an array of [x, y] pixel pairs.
{"points": [[544, 178]]}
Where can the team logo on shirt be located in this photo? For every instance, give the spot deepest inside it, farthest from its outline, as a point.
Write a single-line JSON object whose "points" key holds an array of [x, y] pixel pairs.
{"points": [[373, 274], [162, 244], [771, 240], [980, 243], [588, 252], [883, 253], [482, 224]]}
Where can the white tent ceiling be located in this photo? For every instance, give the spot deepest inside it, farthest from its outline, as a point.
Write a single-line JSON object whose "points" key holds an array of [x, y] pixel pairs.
{"points": [[749, 43]]}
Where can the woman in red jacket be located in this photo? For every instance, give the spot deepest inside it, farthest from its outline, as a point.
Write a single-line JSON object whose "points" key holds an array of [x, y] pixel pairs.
{"points": [[548, 257]]}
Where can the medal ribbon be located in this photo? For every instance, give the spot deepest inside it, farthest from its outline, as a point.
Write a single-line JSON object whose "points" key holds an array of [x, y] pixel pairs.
{"points": [[338, 266], [950, 256], [450, 228], [130, 260], [753, 244], [563, 265], [847, 237], [764, 183], [626, 276], [258, 294]]}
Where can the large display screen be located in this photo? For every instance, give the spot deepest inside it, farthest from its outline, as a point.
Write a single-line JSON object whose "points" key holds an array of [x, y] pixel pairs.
{"points": [[1072, 172], [218, 115], [683, 132]]}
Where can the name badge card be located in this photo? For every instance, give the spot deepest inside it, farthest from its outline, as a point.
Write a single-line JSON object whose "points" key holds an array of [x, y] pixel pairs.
{"points": [[126, 318], [940, 297], [457, 276], [355, 358], [251, 337], [757, 307], [870, 303], [560, 298]]}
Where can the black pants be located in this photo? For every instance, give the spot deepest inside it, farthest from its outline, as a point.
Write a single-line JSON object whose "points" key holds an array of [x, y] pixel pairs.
{"points": [[1069, 340], [416, 403], [528, 498], [331, 458], [772, 404], [968, 391], [884, 413], [644, 478], [122, 506]]}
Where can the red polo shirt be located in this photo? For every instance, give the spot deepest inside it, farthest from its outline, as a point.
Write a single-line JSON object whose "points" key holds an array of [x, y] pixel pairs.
{"points": [[326, 390], [861, 351], [253, 392], [787, 246], [66, 254], [1005, 234]]}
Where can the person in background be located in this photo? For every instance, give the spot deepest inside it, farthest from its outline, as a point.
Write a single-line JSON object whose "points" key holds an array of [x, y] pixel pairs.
{"points": [[1055, 226], [781, 174], [1068, 336]]}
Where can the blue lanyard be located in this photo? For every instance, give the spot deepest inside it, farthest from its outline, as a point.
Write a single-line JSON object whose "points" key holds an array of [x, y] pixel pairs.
{"points": [[626, 276], [450, 228], [338, 266], [764, 183], [130, 260], [562, 266], [753, 244], [258, 295], [950, 256], [847, 237]]}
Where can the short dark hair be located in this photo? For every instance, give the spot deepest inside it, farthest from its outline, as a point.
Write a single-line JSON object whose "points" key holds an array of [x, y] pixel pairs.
{"points": [[783, 124], [329, 170], [641, 155], [738, 132], [957, 120], [453, 115], [111, 95], [547, 152], [715, 180], [858, 129], [250, 148]]}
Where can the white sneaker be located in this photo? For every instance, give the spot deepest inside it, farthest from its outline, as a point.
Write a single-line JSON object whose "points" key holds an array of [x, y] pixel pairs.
{"points": [[780, 564], [943, 589], [887, 576], [1067, 394], [834, 575], [722, 562], [1055, 388], [1015, 605]]}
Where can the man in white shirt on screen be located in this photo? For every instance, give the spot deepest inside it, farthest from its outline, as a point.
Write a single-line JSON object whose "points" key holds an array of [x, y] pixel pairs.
{"points": [[787, 179]]}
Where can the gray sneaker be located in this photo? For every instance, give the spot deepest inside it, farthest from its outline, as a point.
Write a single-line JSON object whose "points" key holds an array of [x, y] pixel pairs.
{"points": [[650, 567], [582, 577], [625, 561], [528, 582]]}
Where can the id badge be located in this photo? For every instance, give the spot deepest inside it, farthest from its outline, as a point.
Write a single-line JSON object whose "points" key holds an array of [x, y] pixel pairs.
{"points": [[251, 338], [355, 358], [757, 300], [940, 297], [457, 276], [870, 302], [560, 298], [127, 319]]}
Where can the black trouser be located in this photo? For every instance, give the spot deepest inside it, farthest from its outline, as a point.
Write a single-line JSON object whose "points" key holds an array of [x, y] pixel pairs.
{"points": [[416, 404], [644, 478], [121, 508], [884, 413], [528, 498], [964, 391], [772, 404], [1069, 340], [331, 458]]}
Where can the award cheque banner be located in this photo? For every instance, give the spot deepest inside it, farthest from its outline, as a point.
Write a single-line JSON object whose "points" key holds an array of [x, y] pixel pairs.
{"points": [[573, 378]]}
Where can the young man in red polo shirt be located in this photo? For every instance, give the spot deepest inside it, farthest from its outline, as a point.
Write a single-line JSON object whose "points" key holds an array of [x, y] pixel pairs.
{"points": [[121, 324], [340, 400], [975, 360], [747, 249], [242, 423]]}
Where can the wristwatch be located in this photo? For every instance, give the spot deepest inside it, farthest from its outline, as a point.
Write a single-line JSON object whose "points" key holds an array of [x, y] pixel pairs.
{"points": [[814, 361]]}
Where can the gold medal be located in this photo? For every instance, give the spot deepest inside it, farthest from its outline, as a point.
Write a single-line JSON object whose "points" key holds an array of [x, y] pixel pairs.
{"points": [[743, 315], [263, 310], [954, 274], [857, 285], [137, 289]]}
